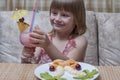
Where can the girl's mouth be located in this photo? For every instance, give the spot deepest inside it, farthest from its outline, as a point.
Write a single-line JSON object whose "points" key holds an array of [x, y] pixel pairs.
{"points": [[58, 25]]}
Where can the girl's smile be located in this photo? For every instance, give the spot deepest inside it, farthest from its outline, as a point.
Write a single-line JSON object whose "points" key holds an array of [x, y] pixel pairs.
{"points": [[58, 24]]}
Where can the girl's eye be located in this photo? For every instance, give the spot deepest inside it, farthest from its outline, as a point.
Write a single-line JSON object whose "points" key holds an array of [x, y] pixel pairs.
{"points": [[54, 13], [65, 15]]}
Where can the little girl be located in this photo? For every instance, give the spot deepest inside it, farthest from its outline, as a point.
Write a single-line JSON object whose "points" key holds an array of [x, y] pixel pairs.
{"points": [[65, 42]]}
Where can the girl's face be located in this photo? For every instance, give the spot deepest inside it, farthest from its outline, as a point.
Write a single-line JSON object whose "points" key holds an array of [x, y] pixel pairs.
{"points": [[62, 20]]}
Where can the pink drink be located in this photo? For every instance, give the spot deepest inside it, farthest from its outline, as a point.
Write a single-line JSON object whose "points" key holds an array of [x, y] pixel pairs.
{"points": [[24, 39]]}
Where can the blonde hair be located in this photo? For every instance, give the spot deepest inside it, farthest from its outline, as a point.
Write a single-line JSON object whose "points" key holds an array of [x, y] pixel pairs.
{"points": [[77, 8]]}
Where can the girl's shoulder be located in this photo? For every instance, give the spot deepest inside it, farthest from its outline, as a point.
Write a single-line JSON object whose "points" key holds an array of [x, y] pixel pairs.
{"points": [[81, 40]]}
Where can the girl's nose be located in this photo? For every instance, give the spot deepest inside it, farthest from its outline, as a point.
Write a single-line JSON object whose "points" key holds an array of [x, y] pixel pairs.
{"points": [[58, 18]]}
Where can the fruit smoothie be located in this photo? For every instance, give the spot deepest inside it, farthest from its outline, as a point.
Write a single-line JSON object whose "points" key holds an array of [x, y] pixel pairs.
{"points": [[24, 39]]}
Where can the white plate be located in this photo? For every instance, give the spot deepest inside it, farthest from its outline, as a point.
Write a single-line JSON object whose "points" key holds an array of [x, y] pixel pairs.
{"points": [[45, 68]]}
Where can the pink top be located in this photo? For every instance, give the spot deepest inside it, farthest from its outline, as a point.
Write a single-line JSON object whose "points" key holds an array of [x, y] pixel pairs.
{"points": [[44, 58]]}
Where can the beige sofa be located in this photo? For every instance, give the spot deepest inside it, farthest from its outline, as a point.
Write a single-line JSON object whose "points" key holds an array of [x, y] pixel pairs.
{"points": [[103, 34]]}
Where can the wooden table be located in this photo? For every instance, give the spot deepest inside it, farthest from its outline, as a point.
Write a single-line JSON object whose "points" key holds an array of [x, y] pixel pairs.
{"points": [[109, 73], [13, 71]]}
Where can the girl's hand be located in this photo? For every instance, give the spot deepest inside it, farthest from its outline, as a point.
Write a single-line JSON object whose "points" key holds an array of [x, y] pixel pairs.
{"points": [[39, 38], [28, 52]]}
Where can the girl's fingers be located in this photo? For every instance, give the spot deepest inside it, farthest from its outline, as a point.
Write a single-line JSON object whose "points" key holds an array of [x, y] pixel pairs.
{"points": [[33, 35], [37, 36], [37, 43], [35, 40], [28, 55], [38, 31]]}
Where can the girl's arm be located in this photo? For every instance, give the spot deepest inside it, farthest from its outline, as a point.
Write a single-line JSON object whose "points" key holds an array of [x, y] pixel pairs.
{"points": [[45, 43], [54, 53], [27, 54], [77, 53]]}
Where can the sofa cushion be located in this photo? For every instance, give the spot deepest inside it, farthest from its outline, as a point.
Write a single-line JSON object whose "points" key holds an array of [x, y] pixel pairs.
{"points": [[109, 38], [10, 47], [91, 35]]}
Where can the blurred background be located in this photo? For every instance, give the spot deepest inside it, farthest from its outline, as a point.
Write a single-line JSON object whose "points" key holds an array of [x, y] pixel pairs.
{"points": [[91, 5]]}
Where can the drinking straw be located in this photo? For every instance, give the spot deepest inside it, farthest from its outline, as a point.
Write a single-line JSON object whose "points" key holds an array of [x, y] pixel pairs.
{"points": [[33, 16]]}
